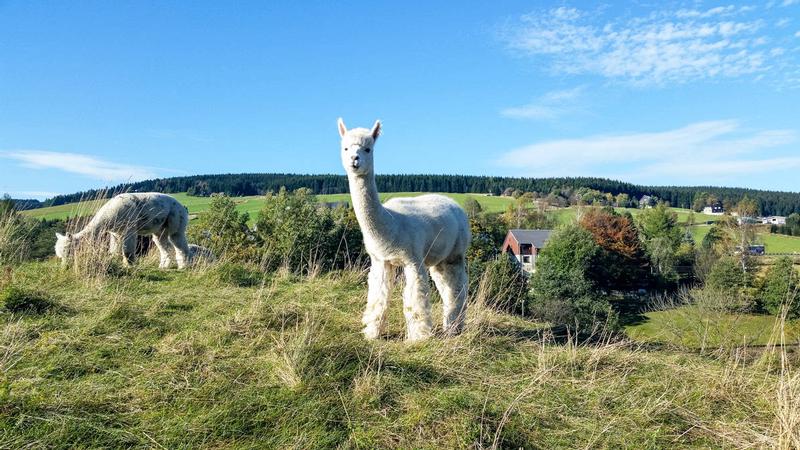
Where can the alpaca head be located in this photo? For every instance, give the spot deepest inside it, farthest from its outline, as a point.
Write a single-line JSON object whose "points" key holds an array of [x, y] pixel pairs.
{"points": [[357, 148], [63, 245]]}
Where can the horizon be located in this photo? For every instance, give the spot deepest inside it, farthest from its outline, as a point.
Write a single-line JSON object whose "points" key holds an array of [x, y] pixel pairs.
{"points": [[121, 187], [686, 93]]}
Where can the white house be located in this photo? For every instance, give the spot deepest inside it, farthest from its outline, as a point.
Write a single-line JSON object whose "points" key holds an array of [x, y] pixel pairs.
{"points": [[774, 220]]}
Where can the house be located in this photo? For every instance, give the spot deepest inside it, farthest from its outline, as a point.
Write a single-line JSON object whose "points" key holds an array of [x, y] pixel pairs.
{"points": [[524, 246], [753, 250], [774, 220], [647, 201], [714, 210]]}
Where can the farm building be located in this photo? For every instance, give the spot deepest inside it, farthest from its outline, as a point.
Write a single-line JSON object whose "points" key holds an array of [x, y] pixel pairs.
{"points": [[715, 210], [524, 246], [774, 220]]}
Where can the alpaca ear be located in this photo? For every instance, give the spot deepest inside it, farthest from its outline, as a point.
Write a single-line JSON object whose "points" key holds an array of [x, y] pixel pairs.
{"points": [[376, 130], [342, 128], [59, 235]]}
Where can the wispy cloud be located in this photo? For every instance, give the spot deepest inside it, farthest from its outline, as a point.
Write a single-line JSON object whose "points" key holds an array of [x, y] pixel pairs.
{"points": [[660, 47], [81, 164], [39, 195], [549, 106], [702, 150]]}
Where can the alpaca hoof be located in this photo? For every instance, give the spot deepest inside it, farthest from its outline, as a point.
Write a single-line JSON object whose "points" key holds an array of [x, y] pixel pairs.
{"points": [[418, 336], [371, 332]]}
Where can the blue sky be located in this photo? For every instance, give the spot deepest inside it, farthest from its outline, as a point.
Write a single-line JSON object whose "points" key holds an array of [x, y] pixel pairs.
{"points": [[96, 93]]}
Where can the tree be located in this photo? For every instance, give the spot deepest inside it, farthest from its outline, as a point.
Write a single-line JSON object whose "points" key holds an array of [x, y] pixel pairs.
{"points": [[472, 207], [727, 276], [621, 259], [782, 287], [662, 237], [564, 286]]}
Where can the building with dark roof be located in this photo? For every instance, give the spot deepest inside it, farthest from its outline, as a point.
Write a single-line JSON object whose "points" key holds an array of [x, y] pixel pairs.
{"points": [[524, 246]]}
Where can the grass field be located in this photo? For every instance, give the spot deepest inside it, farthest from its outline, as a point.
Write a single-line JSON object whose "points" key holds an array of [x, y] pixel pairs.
{"points": [[201, 359], [252, 205], [686, 326]]}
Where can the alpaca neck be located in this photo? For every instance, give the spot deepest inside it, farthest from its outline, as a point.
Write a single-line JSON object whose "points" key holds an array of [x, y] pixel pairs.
{"points": [[92, 229], [374, 219]]}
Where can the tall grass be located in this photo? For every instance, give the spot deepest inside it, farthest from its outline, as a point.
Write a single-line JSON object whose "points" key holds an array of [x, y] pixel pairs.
{"points": [[13, 238], [195, 359]]}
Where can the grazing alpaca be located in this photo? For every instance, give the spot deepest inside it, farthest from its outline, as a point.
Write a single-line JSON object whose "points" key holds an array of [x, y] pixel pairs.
{"points": [[128, 215], [429, 232]]}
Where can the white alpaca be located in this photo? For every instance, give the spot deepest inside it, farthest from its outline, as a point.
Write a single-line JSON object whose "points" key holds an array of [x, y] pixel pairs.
{"points": [[128, 215], [429, 232]]}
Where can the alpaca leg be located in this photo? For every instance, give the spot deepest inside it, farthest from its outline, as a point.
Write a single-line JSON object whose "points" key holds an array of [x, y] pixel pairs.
{"points": [[164, 250], [178, 241], [451, 281], [416, 303], [381, 275], [114, 247], [129, 249]]}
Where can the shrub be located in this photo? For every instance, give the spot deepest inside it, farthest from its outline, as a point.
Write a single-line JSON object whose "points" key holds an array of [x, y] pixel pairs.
{"points": [[224, 230], [304, 236], [728, 278], [781, 287], [564, 286]]}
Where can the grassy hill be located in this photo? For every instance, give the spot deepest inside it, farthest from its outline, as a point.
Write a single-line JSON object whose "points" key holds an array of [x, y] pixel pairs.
{"points": [[218, 358]]}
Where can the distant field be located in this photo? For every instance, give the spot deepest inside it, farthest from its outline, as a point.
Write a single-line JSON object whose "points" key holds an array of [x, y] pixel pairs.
{"points": [[681, 326]]}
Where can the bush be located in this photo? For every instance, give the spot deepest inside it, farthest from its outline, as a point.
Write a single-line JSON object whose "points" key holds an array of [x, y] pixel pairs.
{"points": [[303, 235], [564, 286], [781, 287], [728, 278], [224, 231], [15, 299]]}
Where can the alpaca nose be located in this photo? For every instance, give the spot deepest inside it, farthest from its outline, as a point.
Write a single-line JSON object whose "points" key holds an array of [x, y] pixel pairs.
{"points": [[354, 160]]}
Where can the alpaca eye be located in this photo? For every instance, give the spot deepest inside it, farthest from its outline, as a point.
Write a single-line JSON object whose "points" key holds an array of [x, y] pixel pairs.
{"points": [[367, 149], [345, 149]]}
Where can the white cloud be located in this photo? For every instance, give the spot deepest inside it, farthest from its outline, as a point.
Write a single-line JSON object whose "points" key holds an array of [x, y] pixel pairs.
{"points": [[703, 149], [797, 34], [789, 2], [663, 46], [39, 195], [80, 164], [549, 106]]}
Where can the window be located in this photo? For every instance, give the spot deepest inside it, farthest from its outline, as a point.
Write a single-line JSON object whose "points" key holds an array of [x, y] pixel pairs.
{"points": [[526, 259]]}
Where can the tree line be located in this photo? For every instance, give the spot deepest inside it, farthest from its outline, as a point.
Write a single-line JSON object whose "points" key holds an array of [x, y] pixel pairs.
{"points": [[768, 202]]}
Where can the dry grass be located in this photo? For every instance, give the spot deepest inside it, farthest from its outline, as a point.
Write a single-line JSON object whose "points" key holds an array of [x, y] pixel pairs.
{"points": [[195, 359]]}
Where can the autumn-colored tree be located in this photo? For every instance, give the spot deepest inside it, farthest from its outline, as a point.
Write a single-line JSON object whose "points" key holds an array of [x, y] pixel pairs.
{"points": [[622, 258], [613, 232]]}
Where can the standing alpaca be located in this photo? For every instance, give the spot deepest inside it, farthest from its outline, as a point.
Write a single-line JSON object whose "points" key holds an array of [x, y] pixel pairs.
{"points": [[429, 232], [128, 215]]}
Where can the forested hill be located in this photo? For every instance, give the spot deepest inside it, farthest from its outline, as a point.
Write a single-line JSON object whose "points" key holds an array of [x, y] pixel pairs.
{"points": [[770, 202]]}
